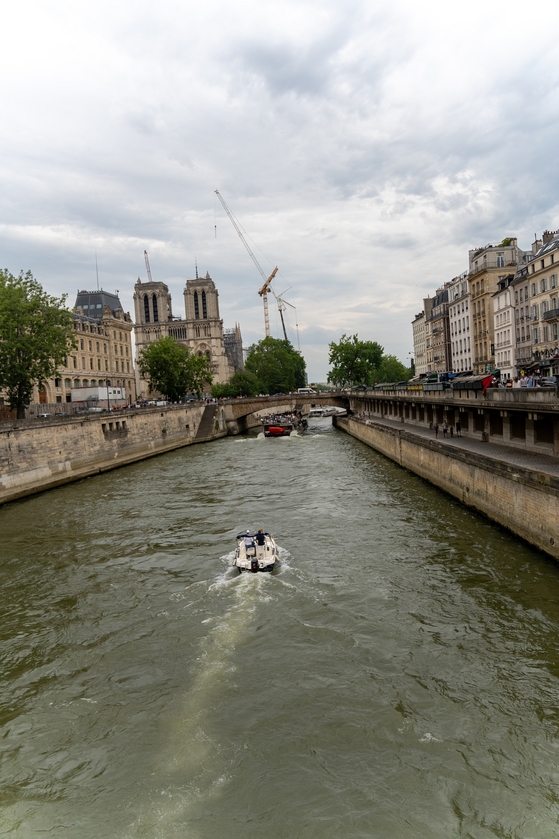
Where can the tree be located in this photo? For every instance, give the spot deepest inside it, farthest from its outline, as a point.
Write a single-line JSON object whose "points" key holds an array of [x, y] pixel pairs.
{"points": [[242, 383], [354, 361], [277, 366], [172, 370], [36, 335], [392, 370]]}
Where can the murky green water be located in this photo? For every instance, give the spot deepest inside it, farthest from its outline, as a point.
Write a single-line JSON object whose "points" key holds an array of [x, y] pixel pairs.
{"points": [[397, 677]]}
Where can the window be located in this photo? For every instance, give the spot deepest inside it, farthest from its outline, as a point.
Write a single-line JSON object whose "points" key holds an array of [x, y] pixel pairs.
{"points": [[146, 311], [81, 343], [97, 345], [98, 363], [91, 364], [543, 284], [75, 360], [89, 343], [553, 281], [67, 383], [500, 260], [76, 382], [83, 363], [104, 348], [204, 307], [196, 307], [533, 290], [57, 382]]}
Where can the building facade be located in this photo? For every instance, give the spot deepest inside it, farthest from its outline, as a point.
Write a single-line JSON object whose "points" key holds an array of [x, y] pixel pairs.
{"points": [[103, 354], [536, 298], [437, 332], [459, 324], [504, 327], [419, 348], [201, 330], [486, 265]]}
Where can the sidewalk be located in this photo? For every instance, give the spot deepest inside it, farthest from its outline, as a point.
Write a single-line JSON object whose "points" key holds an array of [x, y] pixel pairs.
{"points": [[509, 455]]}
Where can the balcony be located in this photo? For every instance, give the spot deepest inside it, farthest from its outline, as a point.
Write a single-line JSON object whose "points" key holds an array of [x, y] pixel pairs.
{"points": [[552, 316]]}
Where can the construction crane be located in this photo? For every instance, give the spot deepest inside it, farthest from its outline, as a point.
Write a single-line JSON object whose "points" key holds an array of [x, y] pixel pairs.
{"points": [[147, 266], [281, 307], [267, 280]]}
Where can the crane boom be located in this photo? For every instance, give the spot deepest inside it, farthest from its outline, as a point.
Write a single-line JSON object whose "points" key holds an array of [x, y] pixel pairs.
{"points": [[147, 266], [267, 280]]}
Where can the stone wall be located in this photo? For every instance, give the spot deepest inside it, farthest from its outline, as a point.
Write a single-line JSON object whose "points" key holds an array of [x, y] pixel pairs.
{"points": [[523, 500], [40, 454]]}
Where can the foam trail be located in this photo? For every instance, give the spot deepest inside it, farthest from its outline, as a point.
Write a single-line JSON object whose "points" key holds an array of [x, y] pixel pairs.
{"points": [[190, 751]]}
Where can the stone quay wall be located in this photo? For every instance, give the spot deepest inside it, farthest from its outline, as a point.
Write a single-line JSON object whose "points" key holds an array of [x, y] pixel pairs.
{"points": [[523, 500], [40, 454]]}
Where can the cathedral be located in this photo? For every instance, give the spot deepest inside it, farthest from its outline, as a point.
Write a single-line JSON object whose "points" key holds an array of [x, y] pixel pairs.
{"points": [[201, 330]]}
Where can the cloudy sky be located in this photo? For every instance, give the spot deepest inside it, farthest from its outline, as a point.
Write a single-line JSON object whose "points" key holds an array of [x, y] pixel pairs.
{"points": [[364, 147]]}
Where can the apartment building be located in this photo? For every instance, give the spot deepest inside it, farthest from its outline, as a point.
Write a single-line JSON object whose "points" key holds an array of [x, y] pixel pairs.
{"points": [[536, 298], [504, 327], [104, 350], [459, 324], [486, 266], [419, 348], [437, 331]]}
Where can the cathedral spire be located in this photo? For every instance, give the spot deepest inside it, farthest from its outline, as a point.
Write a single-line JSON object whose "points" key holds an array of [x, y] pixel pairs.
{"points": [[196, 264]]}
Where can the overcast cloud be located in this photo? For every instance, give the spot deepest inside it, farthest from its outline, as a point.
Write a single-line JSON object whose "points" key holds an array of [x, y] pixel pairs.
{"points": [[365, 147]]}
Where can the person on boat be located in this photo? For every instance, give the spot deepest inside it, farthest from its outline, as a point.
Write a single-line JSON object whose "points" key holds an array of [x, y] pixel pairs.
{"points": [[249, 540], [260, 538]]}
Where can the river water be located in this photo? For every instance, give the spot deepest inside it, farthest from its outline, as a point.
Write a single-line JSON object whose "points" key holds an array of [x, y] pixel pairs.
{"points": [[396, 677]]}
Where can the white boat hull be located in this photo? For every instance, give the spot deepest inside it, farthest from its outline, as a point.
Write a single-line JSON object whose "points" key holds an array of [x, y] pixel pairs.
{"points": [[256, 557]]}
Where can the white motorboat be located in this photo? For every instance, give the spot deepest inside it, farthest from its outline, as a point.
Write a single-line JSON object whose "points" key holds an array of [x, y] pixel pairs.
{"points": [[255, 552]]}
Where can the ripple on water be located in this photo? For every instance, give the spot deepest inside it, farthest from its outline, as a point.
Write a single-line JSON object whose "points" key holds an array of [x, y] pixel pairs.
{"points": [[404, 650]]}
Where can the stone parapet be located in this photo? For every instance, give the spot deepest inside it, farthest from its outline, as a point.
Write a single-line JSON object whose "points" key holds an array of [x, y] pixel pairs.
{"points": [[36, 455], [524, 500]]}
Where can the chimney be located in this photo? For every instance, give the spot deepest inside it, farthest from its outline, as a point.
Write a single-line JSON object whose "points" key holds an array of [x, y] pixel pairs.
{"points": [[547, 236], [536, 245]]}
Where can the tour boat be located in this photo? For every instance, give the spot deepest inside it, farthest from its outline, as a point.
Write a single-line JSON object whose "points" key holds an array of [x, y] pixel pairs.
{"points": [[282, 425], [277, 427], [252, 556]]}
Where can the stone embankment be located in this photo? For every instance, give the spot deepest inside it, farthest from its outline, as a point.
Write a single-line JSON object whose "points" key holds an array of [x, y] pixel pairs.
{"points": [[39, 454], [518, 490]]}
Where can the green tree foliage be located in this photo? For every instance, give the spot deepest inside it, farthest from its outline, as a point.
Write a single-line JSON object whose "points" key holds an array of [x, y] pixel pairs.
{"points": [[277, 366], [242, 383], [354, 362], [36, 335], [172, 370], [392, 370]]}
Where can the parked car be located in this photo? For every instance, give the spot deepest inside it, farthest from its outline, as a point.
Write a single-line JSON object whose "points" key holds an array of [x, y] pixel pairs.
{"points": [[548, 381]]}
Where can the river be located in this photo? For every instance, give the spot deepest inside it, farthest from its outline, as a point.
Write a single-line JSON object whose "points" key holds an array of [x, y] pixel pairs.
{"points": [[396, 677]]}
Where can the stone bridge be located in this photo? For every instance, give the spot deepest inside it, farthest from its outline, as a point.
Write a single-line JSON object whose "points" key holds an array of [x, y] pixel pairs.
{"points": [[244, 413]]}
